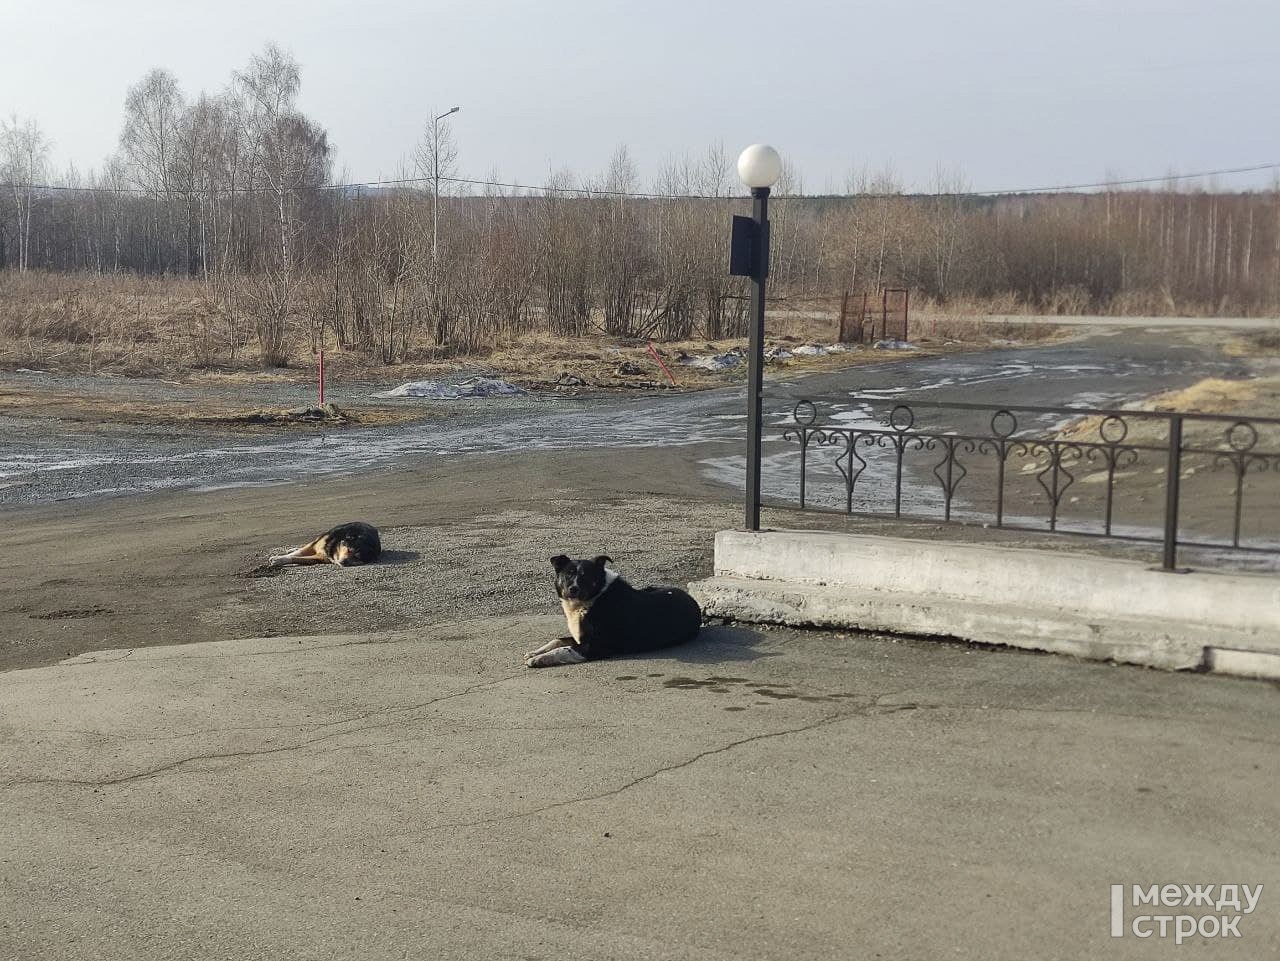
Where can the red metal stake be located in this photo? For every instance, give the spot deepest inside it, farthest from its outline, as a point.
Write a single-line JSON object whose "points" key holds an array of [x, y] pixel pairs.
{"points": [[661, 364]]}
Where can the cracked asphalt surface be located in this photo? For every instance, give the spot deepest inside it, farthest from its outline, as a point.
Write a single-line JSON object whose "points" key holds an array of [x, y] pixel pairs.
{"points": [[756, 794]]}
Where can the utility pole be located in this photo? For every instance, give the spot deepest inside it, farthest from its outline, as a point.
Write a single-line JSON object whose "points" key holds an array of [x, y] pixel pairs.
{"points": [[435, 177]]}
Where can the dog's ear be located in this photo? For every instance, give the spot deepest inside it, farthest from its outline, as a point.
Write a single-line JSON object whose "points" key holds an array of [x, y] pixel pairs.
{"points": [[603, 559], [559, 562]]}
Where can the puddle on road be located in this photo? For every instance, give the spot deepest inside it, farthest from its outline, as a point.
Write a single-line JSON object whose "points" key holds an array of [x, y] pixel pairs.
{"points": [[743, 685]]}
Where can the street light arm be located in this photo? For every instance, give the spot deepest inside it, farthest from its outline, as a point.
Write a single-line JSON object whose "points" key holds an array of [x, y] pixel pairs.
{"points": [[435, 176]]}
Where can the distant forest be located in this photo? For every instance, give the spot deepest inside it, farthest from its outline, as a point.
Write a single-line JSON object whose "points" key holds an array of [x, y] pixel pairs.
{"points": [[236, 191]]}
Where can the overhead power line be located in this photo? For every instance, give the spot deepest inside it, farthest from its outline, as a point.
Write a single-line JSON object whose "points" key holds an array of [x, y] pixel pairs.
{"points": [[593, 191], [399, 182], [1128, 183], [647, 195]]}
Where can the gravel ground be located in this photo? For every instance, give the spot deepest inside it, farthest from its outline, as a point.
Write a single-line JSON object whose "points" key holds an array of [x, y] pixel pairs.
{"points": [[475, 568], [173, 568]]}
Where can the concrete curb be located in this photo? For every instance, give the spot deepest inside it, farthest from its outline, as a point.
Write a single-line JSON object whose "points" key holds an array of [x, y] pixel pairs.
{"points": [[1092, 607]]}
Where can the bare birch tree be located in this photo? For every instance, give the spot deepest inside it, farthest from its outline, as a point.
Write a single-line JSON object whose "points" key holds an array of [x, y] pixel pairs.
{"points": [[24, 160]]}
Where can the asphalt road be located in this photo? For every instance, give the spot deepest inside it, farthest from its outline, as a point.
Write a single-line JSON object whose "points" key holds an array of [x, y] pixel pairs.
{"points": [[755, 795], [1159, 323]]}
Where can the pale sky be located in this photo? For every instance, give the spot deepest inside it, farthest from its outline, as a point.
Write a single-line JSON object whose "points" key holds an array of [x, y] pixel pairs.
{"points": [[1011, 94]]}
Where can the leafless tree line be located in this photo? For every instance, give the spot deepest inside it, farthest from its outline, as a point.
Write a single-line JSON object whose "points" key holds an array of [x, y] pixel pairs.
{"points": [[235, 191]]}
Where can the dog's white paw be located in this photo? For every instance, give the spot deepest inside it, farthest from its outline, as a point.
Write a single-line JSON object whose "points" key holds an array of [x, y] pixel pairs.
{"points": [[561, 655]]}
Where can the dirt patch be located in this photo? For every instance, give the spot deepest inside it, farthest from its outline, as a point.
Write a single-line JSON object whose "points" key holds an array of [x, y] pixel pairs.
{"points": [[610, 365], [91, 410], [232, 377], [71, 613], [320, 415]]}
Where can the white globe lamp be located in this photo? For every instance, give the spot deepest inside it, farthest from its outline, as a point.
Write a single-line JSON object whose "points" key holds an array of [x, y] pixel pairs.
{"points": [[759, 166]]}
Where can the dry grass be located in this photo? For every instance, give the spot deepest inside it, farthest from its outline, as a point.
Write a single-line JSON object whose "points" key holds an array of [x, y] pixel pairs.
{"points": [[1005, 332], [1255, 343], [1257, 397], [817, 320], [1216, 396], [136, 326], [1078, 301]]}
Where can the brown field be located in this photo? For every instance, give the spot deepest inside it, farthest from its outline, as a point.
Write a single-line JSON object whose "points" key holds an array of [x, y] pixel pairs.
{"points": [[176, 331], [180, 329]]}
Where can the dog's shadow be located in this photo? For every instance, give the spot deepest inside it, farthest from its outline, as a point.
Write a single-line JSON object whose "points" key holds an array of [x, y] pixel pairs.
{"points": [[717, 644], [396, 557], [386, 559]]}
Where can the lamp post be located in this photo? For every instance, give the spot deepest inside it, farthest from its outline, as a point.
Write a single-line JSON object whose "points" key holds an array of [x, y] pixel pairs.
{"points": [[759, 167], [435, 176]]}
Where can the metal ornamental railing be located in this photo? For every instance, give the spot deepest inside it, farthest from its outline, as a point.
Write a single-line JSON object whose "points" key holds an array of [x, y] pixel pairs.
{"points": [[1173, 478]]}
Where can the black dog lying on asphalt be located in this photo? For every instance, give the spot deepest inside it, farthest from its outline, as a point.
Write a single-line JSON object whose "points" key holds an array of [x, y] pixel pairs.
{"points": [[608, 617], [346, 545]]}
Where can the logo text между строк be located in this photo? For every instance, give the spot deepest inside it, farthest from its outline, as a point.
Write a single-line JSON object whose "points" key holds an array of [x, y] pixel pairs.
{"points": [[1221, 909]]}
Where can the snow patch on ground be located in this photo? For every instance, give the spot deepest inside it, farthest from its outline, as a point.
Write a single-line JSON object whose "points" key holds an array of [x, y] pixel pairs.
{"points": [[726, 361], [737, 357], [821, 350], [439, 390]]}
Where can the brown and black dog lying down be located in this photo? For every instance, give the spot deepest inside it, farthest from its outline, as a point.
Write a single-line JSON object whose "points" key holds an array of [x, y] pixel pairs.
{"points": [[346, 545], [608, 617]]}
